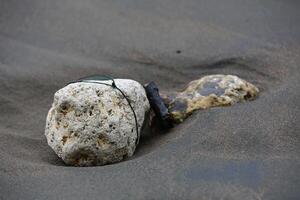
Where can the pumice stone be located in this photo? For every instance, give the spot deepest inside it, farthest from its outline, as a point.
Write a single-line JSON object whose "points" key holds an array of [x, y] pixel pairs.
{"points": [[209, 91], [93, 124]]}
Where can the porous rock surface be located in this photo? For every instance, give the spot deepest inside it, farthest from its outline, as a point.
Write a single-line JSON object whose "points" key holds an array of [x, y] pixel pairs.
{"points": [[92, 124], [209, 91]]}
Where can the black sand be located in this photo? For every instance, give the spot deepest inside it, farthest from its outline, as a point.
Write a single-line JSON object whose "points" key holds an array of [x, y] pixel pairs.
{"points": [[247, 151]]}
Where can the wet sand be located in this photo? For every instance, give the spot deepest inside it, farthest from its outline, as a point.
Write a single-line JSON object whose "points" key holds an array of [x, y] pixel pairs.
{"points": [[246, 151]]}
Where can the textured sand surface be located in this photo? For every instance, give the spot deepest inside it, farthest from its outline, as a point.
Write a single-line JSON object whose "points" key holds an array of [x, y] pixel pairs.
{"points": [[245, 151]]}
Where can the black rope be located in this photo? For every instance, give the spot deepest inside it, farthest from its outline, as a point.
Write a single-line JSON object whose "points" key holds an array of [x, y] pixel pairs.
{"points": [[89, 79]]}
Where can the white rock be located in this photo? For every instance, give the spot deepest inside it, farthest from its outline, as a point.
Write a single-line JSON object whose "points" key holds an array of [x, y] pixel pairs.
{"points": [[93, 124]]}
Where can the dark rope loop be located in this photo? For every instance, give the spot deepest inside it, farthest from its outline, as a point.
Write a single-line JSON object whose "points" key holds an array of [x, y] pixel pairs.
{"points": [[95, 78]]}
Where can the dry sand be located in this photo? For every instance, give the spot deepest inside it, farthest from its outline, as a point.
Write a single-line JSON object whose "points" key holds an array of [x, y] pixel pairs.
{"points": [[247, 151]]}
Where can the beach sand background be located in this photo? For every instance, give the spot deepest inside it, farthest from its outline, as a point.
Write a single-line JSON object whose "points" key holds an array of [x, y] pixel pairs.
{"points": [[246, 151]]}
